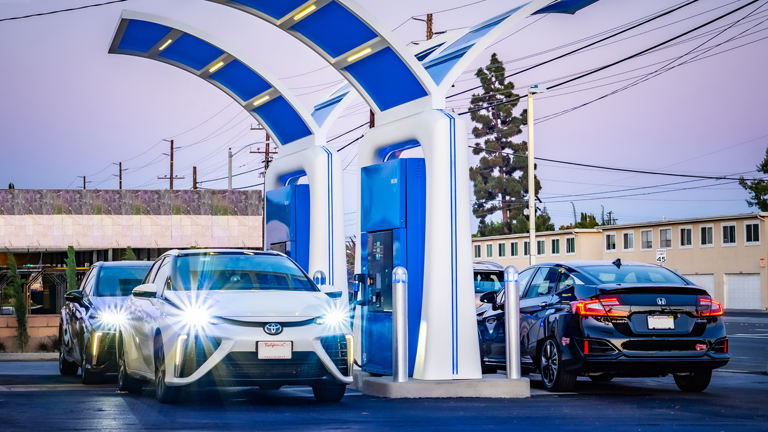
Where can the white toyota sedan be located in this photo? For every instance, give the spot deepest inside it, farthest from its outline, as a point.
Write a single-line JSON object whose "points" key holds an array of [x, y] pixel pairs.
{"points": [[233, 318]]}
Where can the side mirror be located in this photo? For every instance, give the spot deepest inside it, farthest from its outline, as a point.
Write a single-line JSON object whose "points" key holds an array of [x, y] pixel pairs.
{"points": [[75, 296], [334, 294], [145, 291], [488, 297]]}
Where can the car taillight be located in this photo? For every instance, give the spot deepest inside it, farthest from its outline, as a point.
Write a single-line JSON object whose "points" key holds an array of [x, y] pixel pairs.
{"points": [[709, 307], [599, 307]]}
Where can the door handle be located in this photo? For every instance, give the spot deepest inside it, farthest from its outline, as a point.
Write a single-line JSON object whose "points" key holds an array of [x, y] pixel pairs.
{"points": [[542, 305]]}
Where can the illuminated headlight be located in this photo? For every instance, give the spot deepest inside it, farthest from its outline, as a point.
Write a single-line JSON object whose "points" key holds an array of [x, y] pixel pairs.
{"points": [[197, 317], [111, 318], [333, 318]]}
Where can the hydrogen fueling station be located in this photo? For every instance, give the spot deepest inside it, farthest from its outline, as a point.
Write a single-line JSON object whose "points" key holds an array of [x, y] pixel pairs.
{"points": [[413, 220]]}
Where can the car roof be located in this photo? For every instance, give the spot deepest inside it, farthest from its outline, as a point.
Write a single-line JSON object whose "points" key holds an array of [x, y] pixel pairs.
{"points": [[184, 252], [487, 266], [585, 263], [125, 263]]}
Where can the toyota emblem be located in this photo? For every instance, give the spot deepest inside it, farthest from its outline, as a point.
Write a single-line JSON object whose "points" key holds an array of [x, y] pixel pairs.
{"points": [[273, 329], [661, 301]]}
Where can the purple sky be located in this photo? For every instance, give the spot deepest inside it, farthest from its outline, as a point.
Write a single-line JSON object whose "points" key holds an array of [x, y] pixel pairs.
{"points": [[69, 108]]}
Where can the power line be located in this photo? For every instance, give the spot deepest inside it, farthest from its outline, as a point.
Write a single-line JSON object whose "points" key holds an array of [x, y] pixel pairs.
{"points": [[61, 10]]}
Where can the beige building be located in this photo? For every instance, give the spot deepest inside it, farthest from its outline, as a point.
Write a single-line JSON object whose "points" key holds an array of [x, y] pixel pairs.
{"points": [[723, 254]]}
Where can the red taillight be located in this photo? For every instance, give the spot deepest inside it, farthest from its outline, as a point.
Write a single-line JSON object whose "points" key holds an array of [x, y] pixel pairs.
{"points": [[600, 307], [725, 347], [586, 346], [709, 307]]}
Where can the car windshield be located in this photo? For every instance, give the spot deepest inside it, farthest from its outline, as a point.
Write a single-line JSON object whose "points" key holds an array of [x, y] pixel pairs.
{"points": [[239, 272], [633, 274], [119, 281], [488, 281]]}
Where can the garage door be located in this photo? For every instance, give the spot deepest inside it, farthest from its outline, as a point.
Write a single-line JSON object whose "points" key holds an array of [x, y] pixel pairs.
{"points": [[706, 281], [742, 291]]}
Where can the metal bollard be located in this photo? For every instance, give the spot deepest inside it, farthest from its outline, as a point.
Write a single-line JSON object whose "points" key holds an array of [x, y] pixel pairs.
{"points": [[319, 278], [399, 325], [512, 320]]}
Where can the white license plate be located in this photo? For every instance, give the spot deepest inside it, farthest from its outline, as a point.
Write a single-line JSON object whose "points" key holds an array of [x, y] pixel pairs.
{"points": [[661, 322], [274, 350]]}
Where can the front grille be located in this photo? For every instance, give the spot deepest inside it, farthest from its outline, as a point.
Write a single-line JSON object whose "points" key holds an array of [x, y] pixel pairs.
{"points": [[662, 345], [248, 366], [336, 348]]}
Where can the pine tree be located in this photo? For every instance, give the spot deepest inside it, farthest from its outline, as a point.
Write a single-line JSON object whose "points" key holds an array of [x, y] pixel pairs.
{"points": [[129, 255], [15, 284], [501, 176], [758, 189], [71, 269]]}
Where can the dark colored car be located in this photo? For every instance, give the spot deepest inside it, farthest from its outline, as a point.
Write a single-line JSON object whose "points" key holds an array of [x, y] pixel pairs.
{"points": [[604, 320], [92, 317]]}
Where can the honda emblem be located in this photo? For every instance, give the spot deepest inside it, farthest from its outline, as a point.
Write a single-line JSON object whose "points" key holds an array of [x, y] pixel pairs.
{"points": [[661, 301]]}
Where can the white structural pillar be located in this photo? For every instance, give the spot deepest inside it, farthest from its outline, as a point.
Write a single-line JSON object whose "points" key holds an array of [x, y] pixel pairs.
{"points": [[326, 227], [448, 342]]}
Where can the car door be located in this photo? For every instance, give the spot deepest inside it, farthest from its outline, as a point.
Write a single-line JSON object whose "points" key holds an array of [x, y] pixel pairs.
{"points": [[78, 315], [150, 315], [135, 344], [535, 306], [492, 324]]}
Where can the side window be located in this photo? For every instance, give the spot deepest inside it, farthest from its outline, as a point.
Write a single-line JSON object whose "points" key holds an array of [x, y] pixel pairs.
{"points": [[152, 272], [524, 277], [568, 280], [543, 282], [161, 277], [88, 283]]}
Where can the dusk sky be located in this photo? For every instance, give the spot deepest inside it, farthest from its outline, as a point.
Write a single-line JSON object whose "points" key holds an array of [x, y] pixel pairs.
{"points": [[70, 109]]}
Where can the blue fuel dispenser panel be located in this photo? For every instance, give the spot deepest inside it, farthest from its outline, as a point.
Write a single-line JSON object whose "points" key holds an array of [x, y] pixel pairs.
{"points": [[393, 214], [287, 228]]}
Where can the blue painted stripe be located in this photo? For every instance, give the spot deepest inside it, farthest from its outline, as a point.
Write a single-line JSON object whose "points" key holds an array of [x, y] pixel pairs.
{"points": [[331, 275]]}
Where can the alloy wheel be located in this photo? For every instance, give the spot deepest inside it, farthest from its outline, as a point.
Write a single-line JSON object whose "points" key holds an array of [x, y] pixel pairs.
{"points": [[549, 363]]}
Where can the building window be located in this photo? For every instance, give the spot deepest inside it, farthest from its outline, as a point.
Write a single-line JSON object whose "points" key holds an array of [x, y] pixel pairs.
{"points": [[686, 237], [489, 251], [646, 239], [541, 247], [502, 250], [477, 251], [556, 246], [513, 249], [610, 242], [707, 236], [729, 234], [628, 240], [570, 245], [526, 248], [665, 238], [752, 235]]}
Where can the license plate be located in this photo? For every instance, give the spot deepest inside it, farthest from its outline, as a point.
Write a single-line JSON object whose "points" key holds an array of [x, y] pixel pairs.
{"points": [[661, 322], [274, 350]]}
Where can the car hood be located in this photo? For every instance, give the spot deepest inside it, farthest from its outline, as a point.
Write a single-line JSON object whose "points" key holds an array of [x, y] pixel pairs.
{"points": [[256, 305], [107, 304]]}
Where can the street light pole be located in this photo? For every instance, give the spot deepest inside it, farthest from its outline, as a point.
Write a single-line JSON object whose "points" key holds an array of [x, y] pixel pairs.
{"points": [[229, 165], [532, 246]]}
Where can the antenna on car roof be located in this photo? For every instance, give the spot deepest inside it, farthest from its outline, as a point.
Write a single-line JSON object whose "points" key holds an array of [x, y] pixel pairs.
{"points": [[617, 263]]}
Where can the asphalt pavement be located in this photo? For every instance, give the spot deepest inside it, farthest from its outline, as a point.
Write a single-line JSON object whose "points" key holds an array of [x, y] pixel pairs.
{"points": [[33, 396]]}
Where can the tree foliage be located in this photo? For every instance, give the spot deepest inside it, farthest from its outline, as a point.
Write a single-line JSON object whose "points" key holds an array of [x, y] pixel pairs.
{"points": [[587, 221], [15, 284], [501, 177], [129, 255], [71, 269], [758, 189]]}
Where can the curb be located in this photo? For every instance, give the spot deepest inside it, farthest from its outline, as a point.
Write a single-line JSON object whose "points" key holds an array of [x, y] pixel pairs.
{"points": [[8, 357]]}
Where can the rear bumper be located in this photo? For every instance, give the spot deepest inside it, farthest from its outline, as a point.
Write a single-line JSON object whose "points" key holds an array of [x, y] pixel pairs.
{"points": [[638, 367]]}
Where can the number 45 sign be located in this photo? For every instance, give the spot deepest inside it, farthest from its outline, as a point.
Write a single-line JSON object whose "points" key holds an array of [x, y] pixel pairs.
{"points": [[661, 256]]}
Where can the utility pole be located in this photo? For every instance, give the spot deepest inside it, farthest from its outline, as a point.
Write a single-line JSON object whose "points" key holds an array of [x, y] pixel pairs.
{"points": [[372, 120], [266, 153], [194, 178], [610, 218], [120, 165], [229, 168], [532, 246], [267, 160], [171, 177], [430, 33], [83, 182]]}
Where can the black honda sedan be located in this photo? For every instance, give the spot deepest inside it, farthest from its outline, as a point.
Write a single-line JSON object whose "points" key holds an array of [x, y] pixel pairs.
{"points": [[604, 320], [93, 316]]}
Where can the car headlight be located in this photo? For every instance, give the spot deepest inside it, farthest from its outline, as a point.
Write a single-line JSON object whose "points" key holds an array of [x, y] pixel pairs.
{"points": [[333, 318], [197, 317], [111, 317]]}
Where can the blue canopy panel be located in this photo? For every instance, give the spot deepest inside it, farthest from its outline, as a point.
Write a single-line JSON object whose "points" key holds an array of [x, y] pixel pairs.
{"points": [[275, 9], [241, 80], [322, 110], [286, 124], [192, 52], [387, 79], [141, 36], [420, 56], [565, 7], [334, 29]]}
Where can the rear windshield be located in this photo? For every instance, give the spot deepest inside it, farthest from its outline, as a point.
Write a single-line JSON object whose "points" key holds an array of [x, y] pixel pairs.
{"points": [[488, 281], [119, 281], [633, 275], [239, 272]]}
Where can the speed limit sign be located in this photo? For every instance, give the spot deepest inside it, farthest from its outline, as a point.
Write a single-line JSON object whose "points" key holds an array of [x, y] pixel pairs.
{"points": [[661, 256]]}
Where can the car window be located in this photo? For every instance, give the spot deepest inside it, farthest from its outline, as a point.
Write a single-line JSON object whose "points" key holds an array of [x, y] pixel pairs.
{"points": [[611, 274], [119, 281], [153, 271], [543, 282], [161, 277], [568, 280], [87, 286], [524, 277], [489, 281]]}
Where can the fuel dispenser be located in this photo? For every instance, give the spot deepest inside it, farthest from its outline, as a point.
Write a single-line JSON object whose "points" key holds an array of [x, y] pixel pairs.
{"points": [[287, 227], [393, 204]]}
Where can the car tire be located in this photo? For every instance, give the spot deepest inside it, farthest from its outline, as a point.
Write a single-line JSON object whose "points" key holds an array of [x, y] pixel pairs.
{"points": [[66, 367], [125, 382], [164, 393], [329, 392], [694, 382], [601, 378], [554, 377], [484, 367], [88, 377]]}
